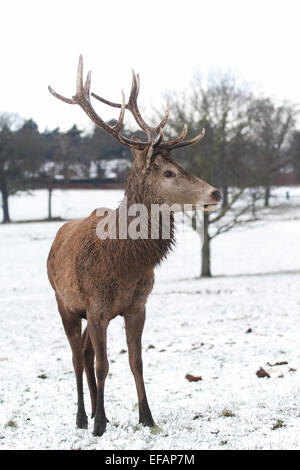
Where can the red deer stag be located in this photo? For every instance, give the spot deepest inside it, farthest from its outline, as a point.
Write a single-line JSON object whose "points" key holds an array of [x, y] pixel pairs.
{"points": [[98, 279]]}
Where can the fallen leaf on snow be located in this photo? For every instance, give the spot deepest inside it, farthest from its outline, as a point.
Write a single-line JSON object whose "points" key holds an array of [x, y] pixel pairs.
{"points": [[43, 376], [193, 378], [262, 373], [282, 363]]}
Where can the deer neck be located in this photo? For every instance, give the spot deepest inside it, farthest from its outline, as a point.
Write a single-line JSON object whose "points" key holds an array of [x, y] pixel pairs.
{"points": [[151, 250]]}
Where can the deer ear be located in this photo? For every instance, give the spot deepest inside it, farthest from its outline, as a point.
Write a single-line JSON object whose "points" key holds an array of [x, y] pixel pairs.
{"points": [[143, 157]]}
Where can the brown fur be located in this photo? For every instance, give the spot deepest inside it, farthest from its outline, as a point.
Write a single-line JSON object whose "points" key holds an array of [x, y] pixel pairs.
{"points": [[100, 279]]}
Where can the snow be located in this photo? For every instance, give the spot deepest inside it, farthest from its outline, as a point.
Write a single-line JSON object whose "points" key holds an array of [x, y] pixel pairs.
{"points": [[196, 326], [67, 204]]}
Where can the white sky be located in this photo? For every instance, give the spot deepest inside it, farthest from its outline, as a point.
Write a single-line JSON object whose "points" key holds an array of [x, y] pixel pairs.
{"points": [[165, 41]]}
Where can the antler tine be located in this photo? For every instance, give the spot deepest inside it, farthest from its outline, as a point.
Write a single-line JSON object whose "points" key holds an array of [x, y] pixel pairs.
{"points": [[119, 124], [133, 107], [79, 80], [188, 142], [133, 94], [152, 133], [134, 90], [165, 118], [109, 103], [159, 138], [60, 97], [171, 143], [138, 85], [135, 85], [87, 85]]}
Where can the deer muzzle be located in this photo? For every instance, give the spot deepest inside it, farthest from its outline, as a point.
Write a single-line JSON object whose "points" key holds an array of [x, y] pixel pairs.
{"points": [[215, 196]]}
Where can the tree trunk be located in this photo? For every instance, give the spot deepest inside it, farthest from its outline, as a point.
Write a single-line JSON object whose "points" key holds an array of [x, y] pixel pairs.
{"points": [[99, 170], [6, 217], [50, 203], [225, 196], [205, 268], [253, 207], [267, 195]]}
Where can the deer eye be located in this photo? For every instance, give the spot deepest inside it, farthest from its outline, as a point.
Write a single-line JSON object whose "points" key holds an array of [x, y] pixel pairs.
{"points": [[168, 174]]}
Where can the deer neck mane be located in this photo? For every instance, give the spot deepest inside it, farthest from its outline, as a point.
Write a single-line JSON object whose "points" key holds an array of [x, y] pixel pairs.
{"points": [[145, 251]]}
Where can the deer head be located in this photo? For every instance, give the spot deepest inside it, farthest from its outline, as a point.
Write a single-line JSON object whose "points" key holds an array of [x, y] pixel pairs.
{"points": [[154, 177]]}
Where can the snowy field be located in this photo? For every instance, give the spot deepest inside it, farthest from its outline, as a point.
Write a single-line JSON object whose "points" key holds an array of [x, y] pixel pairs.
{"points": [[193, 326]]}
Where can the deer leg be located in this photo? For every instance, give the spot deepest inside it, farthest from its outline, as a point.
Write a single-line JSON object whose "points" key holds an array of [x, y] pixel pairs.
{"points": [[88, 356], [134, 324], [72, 326], [97, 332]]}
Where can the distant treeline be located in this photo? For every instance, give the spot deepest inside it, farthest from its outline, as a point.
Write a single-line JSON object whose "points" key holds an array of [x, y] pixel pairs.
{"points": [[30, 159]]}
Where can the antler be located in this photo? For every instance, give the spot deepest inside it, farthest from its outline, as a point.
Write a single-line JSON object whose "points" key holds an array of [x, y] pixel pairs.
{"points": [[154, 134], [82, 98], [179, 142]]}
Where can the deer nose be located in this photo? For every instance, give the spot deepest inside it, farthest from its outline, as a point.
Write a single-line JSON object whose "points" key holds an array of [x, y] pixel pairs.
{"points": [[217, 195]]}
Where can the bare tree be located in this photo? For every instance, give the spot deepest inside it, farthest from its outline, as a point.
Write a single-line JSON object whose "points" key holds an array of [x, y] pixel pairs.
{"points": [[245, 145], [20, 149], [221, 106], [5, 155], [69, 147], [64, 155], [294, 152], [271, 126], [51, 166]]}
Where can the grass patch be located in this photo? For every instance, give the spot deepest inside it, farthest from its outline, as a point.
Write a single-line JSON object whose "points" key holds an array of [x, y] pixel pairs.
{"points": [[223, 443], [137, 427], [155, 430], [279, 424], [11, 424], [228, 413]]}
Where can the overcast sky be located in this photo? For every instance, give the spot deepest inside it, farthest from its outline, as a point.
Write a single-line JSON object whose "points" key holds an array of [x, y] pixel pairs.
{"points": [[165, 41]]}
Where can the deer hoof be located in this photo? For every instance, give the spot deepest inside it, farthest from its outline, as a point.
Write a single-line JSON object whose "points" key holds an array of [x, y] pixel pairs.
{"points": [[147, 421], [94, 414], [99, 429], [82, 421]]}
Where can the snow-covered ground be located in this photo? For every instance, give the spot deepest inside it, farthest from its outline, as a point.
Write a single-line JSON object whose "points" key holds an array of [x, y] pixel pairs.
{"points": [[196, 326]]}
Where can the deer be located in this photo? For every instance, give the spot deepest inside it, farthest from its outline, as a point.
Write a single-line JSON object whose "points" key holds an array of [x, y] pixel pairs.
{"points": [[98, 279]]}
